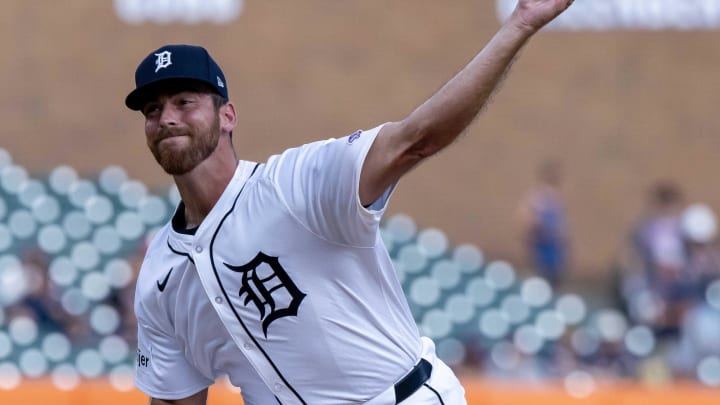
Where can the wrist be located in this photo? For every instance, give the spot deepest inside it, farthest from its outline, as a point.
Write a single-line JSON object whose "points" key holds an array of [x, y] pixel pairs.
{"points": [[520, 24], [519, 27]]}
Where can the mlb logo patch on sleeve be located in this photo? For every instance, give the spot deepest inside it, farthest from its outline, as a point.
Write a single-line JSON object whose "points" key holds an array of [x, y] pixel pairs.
{"points": [[352, 138]]}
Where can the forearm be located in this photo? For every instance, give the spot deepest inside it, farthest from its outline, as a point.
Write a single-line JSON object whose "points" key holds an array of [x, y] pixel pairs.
{"points": [[439, 120]]}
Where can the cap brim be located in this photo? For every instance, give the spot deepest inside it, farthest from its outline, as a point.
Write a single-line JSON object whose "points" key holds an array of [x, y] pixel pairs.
{"points": [[137, 98]]}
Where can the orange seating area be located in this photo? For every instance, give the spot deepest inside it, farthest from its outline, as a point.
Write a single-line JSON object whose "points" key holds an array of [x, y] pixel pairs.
{"points": [[478, 392]]}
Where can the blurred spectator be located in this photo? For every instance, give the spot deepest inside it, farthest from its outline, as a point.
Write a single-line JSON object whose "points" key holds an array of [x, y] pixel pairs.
{"points": [[543, 221], [41, 300], [699, 227], [658, 238], [699, 338], [673, 257], [699, 334], [652, 283]]}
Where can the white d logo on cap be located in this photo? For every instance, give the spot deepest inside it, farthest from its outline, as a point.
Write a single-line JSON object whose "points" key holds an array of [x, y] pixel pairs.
{"points": [[163, 60]]}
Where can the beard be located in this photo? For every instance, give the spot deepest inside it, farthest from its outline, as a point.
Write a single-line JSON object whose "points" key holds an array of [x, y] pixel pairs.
{"points": [[176, 160]]}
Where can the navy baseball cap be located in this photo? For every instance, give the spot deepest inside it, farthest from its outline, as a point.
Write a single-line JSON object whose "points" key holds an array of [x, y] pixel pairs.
{"points": [[178, 63]]}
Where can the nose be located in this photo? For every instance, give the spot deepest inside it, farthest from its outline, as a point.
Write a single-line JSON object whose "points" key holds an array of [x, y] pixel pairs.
{"points": [[168, 116]]}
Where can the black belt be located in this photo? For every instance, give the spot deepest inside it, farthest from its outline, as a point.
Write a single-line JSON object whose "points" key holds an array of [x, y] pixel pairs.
{"points": [[413, 381]]}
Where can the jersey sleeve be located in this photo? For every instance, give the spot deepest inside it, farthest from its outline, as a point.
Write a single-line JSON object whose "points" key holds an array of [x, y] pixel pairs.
{"points": [[161, 369], [320, 185]]}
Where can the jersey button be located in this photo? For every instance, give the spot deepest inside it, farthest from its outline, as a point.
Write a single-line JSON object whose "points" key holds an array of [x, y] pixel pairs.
{"points": [[218, 300], [247, 346], [198, 249], [278, 387]]}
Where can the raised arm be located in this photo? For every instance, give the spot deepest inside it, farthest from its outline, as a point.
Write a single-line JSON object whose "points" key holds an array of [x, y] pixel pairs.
{"points": [[438, 122]]}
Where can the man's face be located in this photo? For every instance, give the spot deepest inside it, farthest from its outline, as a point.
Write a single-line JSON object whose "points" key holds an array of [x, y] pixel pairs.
{"points": [[182, 129]]}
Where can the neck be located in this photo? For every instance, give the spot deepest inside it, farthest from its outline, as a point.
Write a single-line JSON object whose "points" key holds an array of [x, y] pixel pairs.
{"points": [[201, 188]]}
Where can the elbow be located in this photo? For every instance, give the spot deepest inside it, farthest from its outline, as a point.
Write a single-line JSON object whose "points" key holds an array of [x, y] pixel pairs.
{"points": [[422, 141], [421, 151]]}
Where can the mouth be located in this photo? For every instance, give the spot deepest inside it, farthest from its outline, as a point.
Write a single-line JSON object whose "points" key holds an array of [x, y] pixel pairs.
{"points": [[168, 138]]}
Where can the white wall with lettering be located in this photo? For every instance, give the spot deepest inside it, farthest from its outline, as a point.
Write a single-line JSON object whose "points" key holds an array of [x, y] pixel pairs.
{"points": [[632, 14], [178, 11]]}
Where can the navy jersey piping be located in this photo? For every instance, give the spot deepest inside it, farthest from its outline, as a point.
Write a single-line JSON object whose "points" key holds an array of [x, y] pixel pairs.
{"points": [[227, 298], [179, 253], [178, 222], [436, 393]]}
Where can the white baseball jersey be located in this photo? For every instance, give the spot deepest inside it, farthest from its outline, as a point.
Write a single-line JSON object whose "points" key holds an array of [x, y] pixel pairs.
{"points": [[286, 287]]}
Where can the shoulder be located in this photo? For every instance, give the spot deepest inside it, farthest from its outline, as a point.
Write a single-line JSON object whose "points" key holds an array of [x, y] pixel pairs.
{"points": [[289, 159]]}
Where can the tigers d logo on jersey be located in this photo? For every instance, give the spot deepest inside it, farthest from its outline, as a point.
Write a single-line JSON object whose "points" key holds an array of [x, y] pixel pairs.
{"points": [[266, 285]]}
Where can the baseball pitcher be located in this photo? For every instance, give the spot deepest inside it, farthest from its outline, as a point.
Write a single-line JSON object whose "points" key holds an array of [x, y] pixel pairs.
{"points": [[274, 273]]}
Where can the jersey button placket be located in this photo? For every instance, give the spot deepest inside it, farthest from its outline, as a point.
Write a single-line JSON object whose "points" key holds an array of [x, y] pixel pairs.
{"points": [[218, 299]]}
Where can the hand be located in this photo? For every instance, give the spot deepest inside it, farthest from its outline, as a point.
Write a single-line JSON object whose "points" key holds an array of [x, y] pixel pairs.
{"points": [[534, 14]]}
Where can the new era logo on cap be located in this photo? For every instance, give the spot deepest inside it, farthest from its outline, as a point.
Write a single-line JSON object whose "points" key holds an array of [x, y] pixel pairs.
{"points": [[175, 62]]}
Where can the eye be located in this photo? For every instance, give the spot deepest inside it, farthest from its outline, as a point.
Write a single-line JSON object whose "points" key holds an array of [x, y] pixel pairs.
{"points": [[150, 109]]}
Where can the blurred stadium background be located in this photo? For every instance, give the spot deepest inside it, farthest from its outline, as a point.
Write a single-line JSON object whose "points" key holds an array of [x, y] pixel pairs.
{"points": [[620, 106]]}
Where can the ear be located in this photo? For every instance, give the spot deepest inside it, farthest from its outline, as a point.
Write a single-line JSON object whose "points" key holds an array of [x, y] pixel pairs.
{"points": [[228, 117]]}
